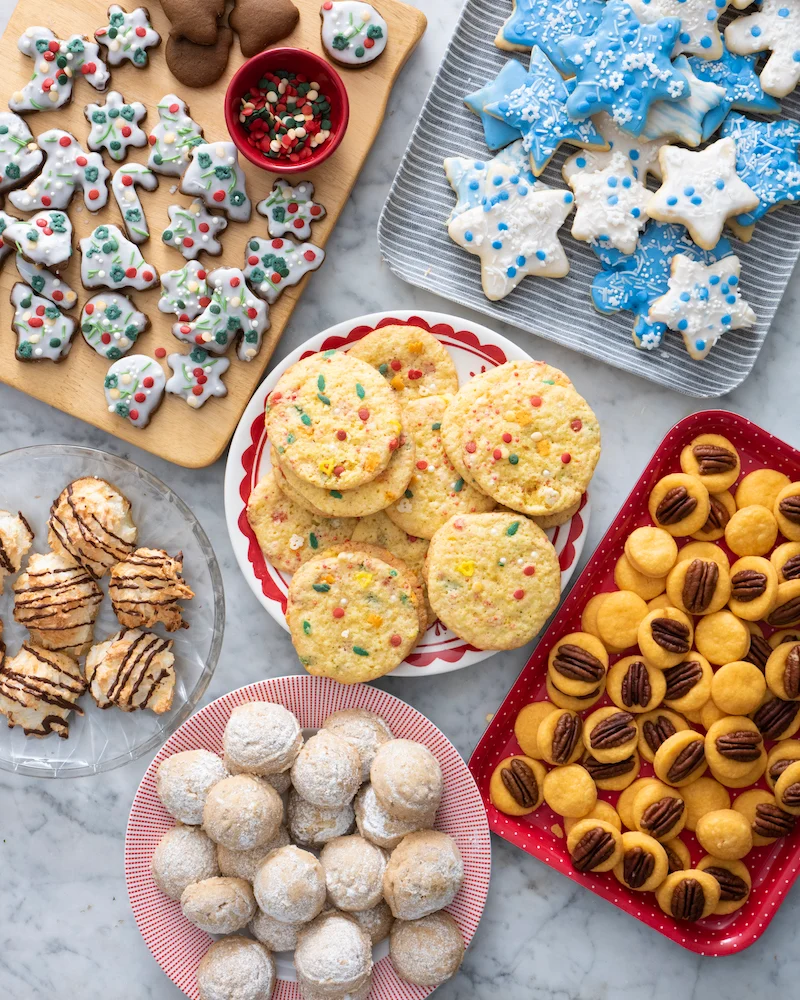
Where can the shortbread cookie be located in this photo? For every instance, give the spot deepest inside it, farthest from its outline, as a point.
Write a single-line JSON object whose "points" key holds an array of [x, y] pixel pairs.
{"points": [[721, 509], [43, 333], [577, 663], [699, 30], [714, 460], [761, 487], [115, 126], [627, 577], [594, 846], [754, 588], [699, 586], [786, 560], [679, 504], [291, 209], [643, 865], [111, 324], [134, 388], [619, 618], [194, 230], [787, 511], [651, 551], [751, 531], [569, 791], [635, 686], [184, 292], [353, 32], [197, 377], [44, 239], [215, 176], [173, 138], [128, 36], [109, 260], [685, 120], [46, 283], [271, 266], [725, 833], [655, 727], [516, 786], [681, 759], [124, 184], [133, 670], [39, 689], [688, 683], [57, 65], [411, 360], [659, 811], [734, 882], [641, 154], [689, 896], [145, 589], [91, 522]]}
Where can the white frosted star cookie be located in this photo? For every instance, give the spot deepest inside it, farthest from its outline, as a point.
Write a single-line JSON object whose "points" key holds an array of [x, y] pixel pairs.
{"points": [[683, 120], [643, 155], [124, 184], [184, 292], [197, 376], [610, 205], [774, 28]]}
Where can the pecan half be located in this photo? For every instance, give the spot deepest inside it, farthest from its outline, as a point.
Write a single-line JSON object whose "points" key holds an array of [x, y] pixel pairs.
{"points": [[520, 783], [791, 568], [579, 697], [689, 759], [747, 585], [777, 769], [565, 737], [593, 849], [660, 817], [671, 635], [681, 679], [743, 746], [791, 796], [786, 614], [791, 673], [674, 863], [615, 731], [759, 652], [688, 900], [637, 867], [772, 821], [775, 716], [790, 637], [731, 887], [578, 664], [655, 731], [676, 505], [699, 585], [790, 508], [718, 516], [712, 458], [603, 772], [636, 688]]}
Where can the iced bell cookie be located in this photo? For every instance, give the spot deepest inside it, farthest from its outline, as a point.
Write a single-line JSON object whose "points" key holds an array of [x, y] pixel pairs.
{"points": [[184, 292], [679, 504], [689, 896], [787, 606], [569, 791], [215, 176], [43, 333], [45, 238], [659, 811], [494, 579], [618, 619], [291, 209], [701, 796], [734, 882], [768, 821], [127, 36], [651, 551], [115, 126], [123, 185], [751, 531], [738, 688], [353, 33], [133, 670], [610, 735], [173, 138], [783, 672], [194, 230], [594, 846], [111, 324], [699, 586], [109, 260], [271, 266], [722, 507], [643, 865], [779, 758], [713, 459], [722, 638], [754, 588], [578, 663], [39, 689], [681, 759], [516, 785], [16, 538], [197, 377], [91, 522], [57, 64], [787, 511], [411, 360], [655, 727], [526, 726], [734, 749], [627, 577], [134, 388], [635, 686], [725, 833], [559, 739]]}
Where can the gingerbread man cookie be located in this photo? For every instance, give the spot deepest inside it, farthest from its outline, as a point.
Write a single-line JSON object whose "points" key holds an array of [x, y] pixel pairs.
{"points": [[271, 266], [194, 229], [291, 209], [111, 261], [67, 167], [215, 176], [134, 388], [115, 125], [57, 64], [184, 292], [128, 36], [45, 238], [231, 311], [197, 376], [111, 324], [173, 138], [43, 333]]}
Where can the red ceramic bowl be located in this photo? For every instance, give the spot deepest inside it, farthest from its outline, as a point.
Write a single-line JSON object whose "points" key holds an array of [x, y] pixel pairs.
{"points": [[296, 61]]}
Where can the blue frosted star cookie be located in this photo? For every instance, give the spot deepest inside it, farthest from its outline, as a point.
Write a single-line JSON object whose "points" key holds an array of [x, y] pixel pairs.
{"points": [[546, 24], [699, 30], [738, 78], [497, 133], [469, 177], [684, 120]]}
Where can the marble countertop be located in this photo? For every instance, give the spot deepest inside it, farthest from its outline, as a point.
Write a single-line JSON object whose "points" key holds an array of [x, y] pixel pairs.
{"points": [[66, 927]]}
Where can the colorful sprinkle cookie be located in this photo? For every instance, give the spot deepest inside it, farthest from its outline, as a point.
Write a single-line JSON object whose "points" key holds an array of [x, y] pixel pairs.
{"points": [[353, 33], [775, 28], [271, 266], [45, 238], [127, 36], [738, 78], [115, 126], [194, 230], [134, 388], [291, 209], [197, 376], [215, 176], [699, 33], [334, 420], [20, 157], [111, 261], [540, 23], [184, 292], [497, 133], [610, 205], [411, 360], [111, 324], [67, 167], [43, 333], [642, 154], [173, 138], [685, 120], [57, 64], [46, 283], [124, 184], [493, 578]]}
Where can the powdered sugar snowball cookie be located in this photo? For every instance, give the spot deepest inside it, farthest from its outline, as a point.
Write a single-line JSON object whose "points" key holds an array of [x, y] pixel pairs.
{"points": [[314, 826], [46, 283], [115, 126], [184, 291], [127, 36], [39, 688], [276, 935], [16, 538], [291, 209], [245, 864], [145, 589], [261, 738], [236, 968], [407, 780], [377, 825], [215, 176], [327, 770], [219, 905], [173, 138], [133, 670], [290, 885], [184, 855], [411, 360], [423, 875], [111, 324], [20, 157], [364, 730], [271, 266], [134, 388], [376, 921], [353, 33], [610, 205], [58, 63], [184, 780], [91, 522], [428, 951], [67, 168], [197, 377], [43, 333], [241, 812], [194, 230], [123, 185], [45, 238], [333, 956], [109, 260], [353, 872]]}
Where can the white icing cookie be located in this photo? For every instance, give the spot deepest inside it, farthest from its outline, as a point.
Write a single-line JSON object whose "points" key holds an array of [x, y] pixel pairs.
{"points": [[111, 324], [57, 64], [610, 205], [683, 120], [215, 176], [194, 229], [703, 302], [643, 155], [271, 266], [46, 283], [134, 388], [289, 209], [111, 261], [701, 190], [115, 125], [775, 28], [127, 36], [173, 138], [231, 311], [124, 184], [184, 292], [6, 220], [43, 333], [699, 30], [67, 167], [19, 155], [353, 33], [197, 376], [45, 238]]}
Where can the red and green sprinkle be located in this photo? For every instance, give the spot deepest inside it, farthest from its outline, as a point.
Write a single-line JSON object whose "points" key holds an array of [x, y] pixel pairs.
{"points": [[286, 116]]}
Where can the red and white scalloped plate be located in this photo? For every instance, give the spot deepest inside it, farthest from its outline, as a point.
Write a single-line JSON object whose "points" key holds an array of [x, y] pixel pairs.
{"points": [[474, 349], [178, 946]]}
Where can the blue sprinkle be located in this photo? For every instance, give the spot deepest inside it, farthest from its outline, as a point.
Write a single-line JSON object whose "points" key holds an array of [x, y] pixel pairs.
{"points": [[689, 191], [725, 289], [700, 345], [497, 245], [783, 12], [541, 255], [714, 279], [581, 162], [712, 15], [683, 324], [497, 181], [796, 57], [502, 226], [474, 185], [702, 294], [523, 190], [503, 196], [568, 199], [634, 154], [612, 182], [512, 272], [672, 200], [612, 199], [705, 42], [725, 320], [685, 296], [719, 183], [626, 182], [697, 200], [755, 31], [635, 212], [468, 236], [521, 261], [733, 280], [514, 179], [684, 37], [479, 165], [731, 300]]}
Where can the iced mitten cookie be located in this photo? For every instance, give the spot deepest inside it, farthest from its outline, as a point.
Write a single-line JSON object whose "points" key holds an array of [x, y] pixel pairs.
{"points": [[124, 184], [43, 333], [16, 538], [57, 65], [412, 361], [115, 126], [271, 266], [194, 230], [132, 670], [353, 32], [134, 388], [91, 522], [197, 377], [39, 689], [46, 283], [67, 167], [145, 588], [215, 176], [184, 292], [173, 138], [291, 209], [127, 36], [111, 324]]}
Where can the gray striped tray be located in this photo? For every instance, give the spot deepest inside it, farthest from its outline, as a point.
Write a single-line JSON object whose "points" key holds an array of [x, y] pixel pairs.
{"points": [[414, 241]]}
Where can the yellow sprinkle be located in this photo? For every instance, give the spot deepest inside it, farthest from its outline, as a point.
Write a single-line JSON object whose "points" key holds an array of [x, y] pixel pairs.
{"points": [[543, 447], [466, 567], [326, 467], [396, 426], [397, 383], [477, 587], [375, 620], [415, 347], [510, 415], [523, 418], [363, 579], [329, 578]]}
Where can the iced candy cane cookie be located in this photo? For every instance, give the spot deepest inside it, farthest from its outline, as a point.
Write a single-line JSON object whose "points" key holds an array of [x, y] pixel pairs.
{"points": [[127, 36], [67, 167], [111, 261], [43, 334], [197, 376], [215, 176], [111, 324], [272, 266], [124, 184], [291, 209], [173, 138], [194, 229], [411, 360], [134, 388], [353, 33], [115, 125]]}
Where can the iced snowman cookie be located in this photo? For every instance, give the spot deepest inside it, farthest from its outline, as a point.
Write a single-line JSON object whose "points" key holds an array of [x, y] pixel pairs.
{"points": [[231, 310], [271, 266], [127, 36], [124, 184], [353, 33], [43, 333], [134, 388], [215, 176], [194, 229], [197, 376], [45, 238], [67, 167], [184, 292], [46, 283], [111, 324], [289, 209], [115, 125], [173, 138], [57, 64], [19, 155], [111, 261]]}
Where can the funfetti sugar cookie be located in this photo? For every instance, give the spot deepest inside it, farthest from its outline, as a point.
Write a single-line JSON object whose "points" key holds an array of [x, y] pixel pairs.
{"points": [[127, 36], [43, 333], [703, 302], [134, 388], [45, 238], [642, 154], [497, 133], [57, 65], [215, 176], [46, 283], [111, 261], [738, 78], [775, 28], [67, 167], [193, 230], [610, 205], [537, 109], [353, 33], [699, 33], [411, 359], [623, 67], [115, 125], [231, 311], [197, 376], [539, 22], [6, 220], [173, 138], [291, 209], [684, 120], [184, 292], [272, 266], [124, 184], [701, 190], [19, 155], [111, 324]]}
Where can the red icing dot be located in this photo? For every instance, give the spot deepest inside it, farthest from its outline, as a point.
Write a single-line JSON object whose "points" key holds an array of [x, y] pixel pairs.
{"points": [[58, 296], [130, 272], [161, 352], [369, 43], [141, 32], [174, 109], [277, 244], [152, 140], [202, 379], [148, 382], [204, 301], [497, 453], [201, 275], [507, 437], [203, 227], [414, 374], [94, 194], [46, 85], [566, 458], [298, 223], [396, 640], [536, 400], [65, 139], [252, 312], [576, 425], [134, 414], [199, 339], [518, 595], [147, 275], [88, 68], [276, 279], [292, 208], [197, 372], [219, 196], [197, 390], [310, 256], [126, 130], [315, 210], [363, 413], [47, 231], [46, 199], [529, 570], [34, 321], [186, 328], [470, 447], [41, 223], [341, 435], [234, 282], [252, 259], [81, 161], [49, 56], [127, 180], [338, 612], [52, 45], [422, 464], [40, 310], [106, 338], [188, 241], [140, 397]]}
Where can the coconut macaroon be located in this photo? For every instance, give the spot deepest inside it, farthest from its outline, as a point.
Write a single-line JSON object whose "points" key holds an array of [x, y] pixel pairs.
{"points": [[39, 689], [57, 602], [132, 670], [145, 589], [16, 538], [91, 522]]}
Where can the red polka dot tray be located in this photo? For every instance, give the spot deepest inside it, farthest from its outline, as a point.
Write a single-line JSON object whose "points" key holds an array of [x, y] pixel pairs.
{"points": [[774, 868], [178, 946], [473, 348]]}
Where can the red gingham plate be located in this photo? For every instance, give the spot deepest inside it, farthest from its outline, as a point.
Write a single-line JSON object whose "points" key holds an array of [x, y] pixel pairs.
{"points": [[773, 869], [473, 348], [178, 946]]}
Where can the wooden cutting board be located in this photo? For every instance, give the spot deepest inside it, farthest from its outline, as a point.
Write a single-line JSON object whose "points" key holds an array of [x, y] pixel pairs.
{"points": [[192, 438]]}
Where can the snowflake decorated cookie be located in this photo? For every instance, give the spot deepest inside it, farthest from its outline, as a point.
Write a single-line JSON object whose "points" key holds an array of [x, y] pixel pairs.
{"points": [[547, 24], [20, 156], [134, 388], [684, 120], [353, 33], [774, 28], [474, 180], [291, 209], [197, 376], [699, 34], [184, 292], [642, 153], [232, 311], [738, 78], [272, 266], [215, 176], [43, 333], [703, 302], [173, 138], [46, 283], [45, 238], [57, 64], [111, 324], [496, 132], [124, 184], [109, 260], [67, 168], [127, 36], [194, 229], [610, 205], [115, 125]]}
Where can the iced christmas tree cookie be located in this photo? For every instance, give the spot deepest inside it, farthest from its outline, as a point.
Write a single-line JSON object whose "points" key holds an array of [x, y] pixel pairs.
{"points": [[43, 333], [173, 138]]}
